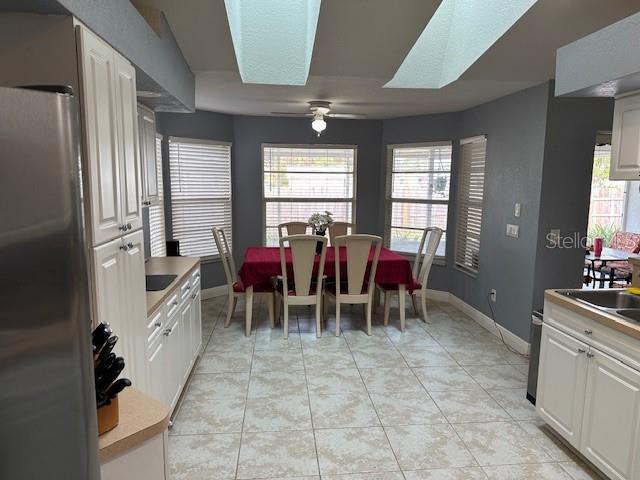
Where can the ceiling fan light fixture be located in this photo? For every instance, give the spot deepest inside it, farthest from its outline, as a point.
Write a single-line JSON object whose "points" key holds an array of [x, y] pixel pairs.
{"points": [[318, 124]]}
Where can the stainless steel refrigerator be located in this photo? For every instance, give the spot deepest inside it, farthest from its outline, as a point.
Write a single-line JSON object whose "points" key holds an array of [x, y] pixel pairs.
{"points": [[47, 398]]}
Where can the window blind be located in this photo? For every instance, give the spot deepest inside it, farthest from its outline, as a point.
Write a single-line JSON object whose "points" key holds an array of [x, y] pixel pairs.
{"points": [[470, 200], [418, 182], [157, 236], [301, 180], [200, 193]]}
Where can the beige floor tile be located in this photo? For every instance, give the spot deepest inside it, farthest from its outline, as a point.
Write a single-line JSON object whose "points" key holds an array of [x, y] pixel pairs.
{"points": [[272, 339], [354, 450], [200, 457], [534, 471], [325, 359], [523, 369], [543, 436], [377, 357], [365, 476], [409, 339], [326, 341], [514, 401], [460, 406], [220, 362], [500, 443], [419, 447], [497, 376], [360, 338], [580, 471], [391, 380], [282, 412], [211, 385], [467, 473], [270, 384], [478, 355], [277, 454], [209, 415], [437, 379], [272, 360], [346, 410], [433, 356], [332, 382], [406, 408]]}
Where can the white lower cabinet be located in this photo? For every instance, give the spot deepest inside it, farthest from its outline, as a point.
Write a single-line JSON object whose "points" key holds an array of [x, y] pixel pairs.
{"points": [[146, 461], [589, 390], [611, 421], [174, 336]]}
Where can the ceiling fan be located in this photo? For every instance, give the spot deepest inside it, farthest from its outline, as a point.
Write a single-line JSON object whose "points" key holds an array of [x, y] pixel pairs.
{"points": [[318, 109]]}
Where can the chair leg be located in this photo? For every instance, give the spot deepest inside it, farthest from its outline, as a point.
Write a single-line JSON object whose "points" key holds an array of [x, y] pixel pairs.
{"points": [[423, 301], [337, 318], [278, 301], [271, 306], [249, 311], [319, 318], [414, 300], [325, 307], [401, 299], [387, 306], [231, 306], [368, 315], [285, 324]]}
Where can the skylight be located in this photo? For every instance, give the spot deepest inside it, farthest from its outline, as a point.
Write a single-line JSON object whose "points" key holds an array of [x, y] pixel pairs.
{"points": [[273, 40], [459, 32]]}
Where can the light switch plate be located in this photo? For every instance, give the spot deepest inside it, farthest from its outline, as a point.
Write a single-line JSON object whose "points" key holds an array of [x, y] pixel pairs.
{"points": [[513, 230]]}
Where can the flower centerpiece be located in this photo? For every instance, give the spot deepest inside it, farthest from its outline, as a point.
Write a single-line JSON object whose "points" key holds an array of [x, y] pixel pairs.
{"points": [[320, 222]]}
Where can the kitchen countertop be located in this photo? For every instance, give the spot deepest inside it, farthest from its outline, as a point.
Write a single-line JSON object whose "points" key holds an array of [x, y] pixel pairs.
{"points": [[180, 266], [605, 318], [141, 418]]}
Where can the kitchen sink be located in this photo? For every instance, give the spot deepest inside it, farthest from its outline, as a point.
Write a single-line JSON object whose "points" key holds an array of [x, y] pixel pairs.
{"points": [[618, 299], [630, 314], [158, 282]]}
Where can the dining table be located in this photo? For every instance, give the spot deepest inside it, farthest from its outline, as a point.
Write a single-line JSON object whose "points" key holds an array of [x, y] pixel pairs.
{"points": [[260, 264], [607, 255]]}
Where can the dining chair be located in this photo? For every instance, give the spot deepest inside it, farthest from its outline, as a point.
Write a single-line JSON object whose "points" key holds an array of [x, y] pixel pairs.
{"points": [[356, 289], [302, 289], [420, 274], [235, 287], [292, 228], [337, 229]]}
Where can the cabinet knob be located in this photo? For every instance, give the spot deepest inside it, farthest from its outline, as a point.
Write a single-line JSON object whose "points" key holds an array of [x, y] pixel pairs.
{"points": [[588, 332], [129, 245], [175, 303], [188, 287], [590, 355], [581, 350], [158, 324], [168, 332], [193, 296], [124, 247], [122, 228], [129, 227]]}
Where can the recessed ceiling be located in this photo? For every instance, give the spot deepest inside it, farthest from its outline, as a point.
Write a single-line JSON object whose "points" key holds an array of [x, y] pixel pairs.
{"points": [[360, 45]]}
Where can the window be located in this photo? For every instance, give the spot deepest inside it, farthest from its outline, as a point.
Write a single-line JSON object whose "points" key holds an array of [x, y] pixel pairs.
{"points": [[157, 237], [200, 193], [473, 152], [418, 180], [301, 180]]}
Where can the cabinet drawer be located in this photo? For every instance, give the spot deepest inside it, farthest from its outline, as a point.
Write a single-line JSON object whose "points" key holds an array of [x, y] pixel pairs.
{"points": [[195, 278], [185, 291], [154, 326], [171, 305]]}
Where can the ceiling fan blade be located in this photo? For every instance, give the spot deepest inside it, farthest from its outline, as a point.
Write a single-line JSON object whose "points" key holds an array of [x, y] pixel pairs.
{"points": [[291, 114], [346, 115]]}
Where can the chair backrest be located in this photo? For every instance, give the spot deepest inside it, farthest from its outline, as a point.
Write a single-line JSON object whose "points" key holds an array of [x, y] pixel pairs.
{"points": [[627, 241], [424, 256], [292, 228], [303, 255], [228, 264], [339, 229], [358, 250]]}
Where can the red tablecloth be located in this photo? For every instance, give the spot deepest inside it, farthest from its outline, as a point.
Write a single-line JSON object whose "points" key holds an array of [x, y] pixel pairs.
{"points": [[262, 263]]}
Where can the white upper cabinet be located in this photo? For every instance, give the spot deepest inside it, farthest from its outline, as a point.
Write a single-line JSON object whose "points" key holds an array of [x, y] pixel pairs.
{"points": [[110, 131], [147, 133], [625, 140]]}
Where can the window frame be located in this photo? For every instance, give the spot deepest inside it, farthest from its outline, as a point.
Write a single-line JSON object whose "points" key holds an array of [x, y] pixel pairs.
{"points": [[461, 267], [159, 202], [200, 141], [313, 146], [438, 259]]}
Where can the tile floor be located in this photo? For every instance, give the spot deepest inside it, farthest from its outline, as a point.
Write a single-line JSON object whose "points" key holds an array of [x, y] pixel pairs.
{"points": [[442, 401]]}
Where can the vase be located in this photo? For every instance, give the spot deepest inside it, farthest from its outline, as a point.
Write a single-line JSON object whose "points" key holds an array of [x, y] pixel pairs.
{"points": [[320, 233]]}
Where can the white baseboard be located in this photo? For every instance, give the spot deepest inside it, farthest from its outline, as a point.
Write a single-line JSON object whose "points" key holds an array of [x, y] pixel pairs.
{"points": [[519, 345], [213, 292]]}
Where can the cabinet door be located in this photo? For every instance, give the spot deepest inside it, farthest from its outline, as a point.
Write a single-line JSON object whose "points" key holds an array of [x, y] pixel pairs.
{"points": [[157, 370], [625, 140], [186, 355], [175, 367], [127, 130], [135, 302], [611, 425], [100, 138], [196, 332], [562, 382], [147, 133]]}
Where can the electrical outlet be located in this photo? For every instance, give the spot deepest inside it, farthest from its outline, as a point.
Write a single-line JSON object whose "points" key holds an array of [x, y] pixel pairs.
{"points": [[493, 294], [513, 230]]}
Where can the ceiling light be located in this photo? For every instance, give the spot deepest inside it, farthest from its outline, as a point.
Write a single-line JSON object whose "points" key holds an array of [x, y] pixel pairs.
{"points": [[459, 32], [273, 39], [318, 124]]}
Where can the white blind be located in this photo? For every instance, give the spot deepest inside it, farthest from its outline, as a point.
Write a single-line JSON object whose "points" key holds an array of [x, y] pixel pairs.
{"points": [[157, 236], [200, 193], [418, 182], [302, 180], [470, 199]]}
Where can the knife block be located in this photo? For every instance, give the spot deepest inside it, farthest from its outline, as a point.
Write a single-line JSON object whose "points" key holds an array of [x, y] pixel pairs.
{"points": [[108, 416]]}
